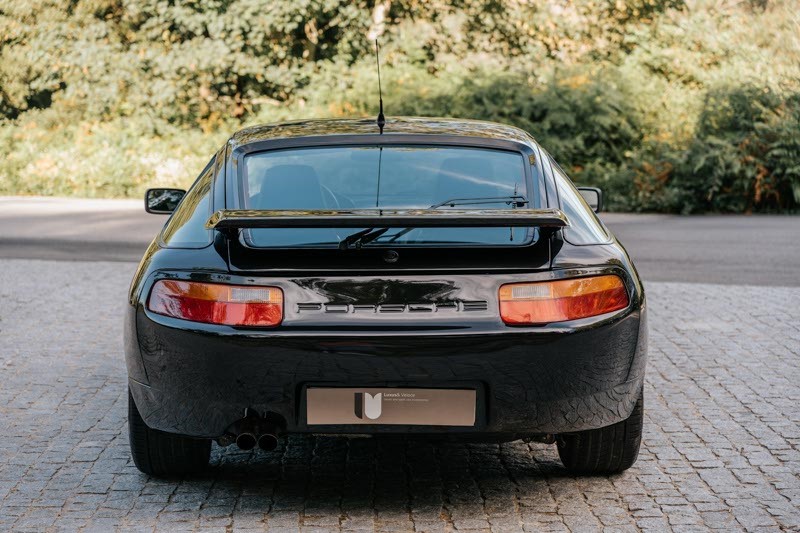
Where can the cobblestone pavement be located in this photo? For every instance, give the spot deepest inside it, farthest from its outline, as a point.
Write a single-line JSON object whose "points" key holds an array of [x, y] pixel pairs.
{"points": [[721, 447]]}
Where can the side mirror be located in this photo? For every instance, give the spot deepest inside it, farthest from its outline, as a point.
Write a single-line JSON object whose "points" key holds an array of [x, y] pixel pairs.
{"points": [[592, 196], [162, 201]]}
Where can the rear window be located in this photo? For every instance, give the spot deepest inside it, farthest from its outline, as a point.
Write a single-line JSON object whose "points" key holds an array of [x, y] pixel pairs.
{"points": [[391, 177]]}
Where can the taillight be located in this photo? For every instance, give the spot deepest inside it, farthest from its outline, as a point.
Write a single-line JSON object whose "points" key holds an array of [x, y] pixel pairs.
{"points": [[212, 303], [556, 301]]}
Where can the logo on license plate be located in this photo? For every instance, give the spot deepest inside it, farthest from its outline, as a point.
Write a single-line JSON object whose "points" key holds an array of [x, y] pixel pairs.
{"points": [[368, 405]]}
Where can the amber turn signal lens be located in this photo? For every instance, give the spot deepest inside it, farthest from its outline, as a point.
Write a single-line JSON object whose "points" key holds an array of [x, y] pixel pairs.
{"points": [[212, 303], [557, 301]]}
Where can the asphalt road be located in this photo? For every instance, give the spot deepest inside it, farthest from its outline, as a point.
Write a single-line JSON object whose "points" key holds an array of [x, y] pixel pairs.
{"points": [[741, 250]]}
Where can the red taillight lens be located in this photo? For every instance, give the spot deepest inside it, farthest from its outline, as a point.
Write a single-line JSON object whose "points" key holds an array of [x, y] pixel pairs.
{"points": [[232, 305], [566, 299]]}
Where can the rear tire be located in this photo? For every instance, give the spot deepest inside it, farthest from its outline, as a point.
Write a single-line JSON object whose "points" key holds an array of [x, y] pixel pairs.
{"points": [[607, 450], [164, 454]]}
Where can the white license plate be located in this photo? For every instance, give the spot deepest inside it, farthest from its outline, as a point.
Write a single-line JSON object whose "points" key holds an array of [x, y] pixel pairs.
{"points": [[420, 407]]}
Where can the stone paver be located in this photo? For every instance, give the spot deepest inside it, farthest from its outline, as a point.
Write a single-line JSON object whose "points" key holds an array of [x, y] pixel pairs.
{"points": [[721, 447]]}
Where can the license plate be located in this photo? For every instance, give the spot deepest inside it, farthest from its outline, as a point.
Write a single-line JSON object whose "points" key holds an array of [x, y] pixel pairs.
{"points": [[419, 407]]}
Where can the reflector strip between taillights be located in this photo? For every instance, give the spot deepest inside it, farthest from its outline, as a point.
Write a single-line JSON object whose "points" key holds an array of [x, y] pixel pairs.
{"points": [[214, 303], [557, 301]]}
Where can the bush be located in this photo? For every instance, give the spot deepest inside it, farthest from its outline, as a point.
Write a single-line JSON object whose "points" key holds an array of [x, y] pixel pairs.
{"points": [[746, 155], [119, 158]]}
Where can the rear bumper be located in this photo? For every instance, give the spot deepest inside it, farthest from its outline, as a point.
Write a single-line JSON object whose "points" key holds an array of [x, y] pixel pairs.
{"points": [[198, 382]]}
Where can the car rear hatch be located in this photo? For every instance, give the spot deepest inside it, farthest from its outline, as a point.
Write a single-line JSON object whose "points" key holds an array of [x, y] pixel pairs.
{"points": [[387, 222]]}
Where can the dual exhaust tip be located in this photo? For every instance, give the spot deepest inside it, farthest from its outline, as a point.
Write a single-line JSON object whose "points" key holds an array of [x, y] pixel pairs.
{"points": [[255, 430], [247, 441]]}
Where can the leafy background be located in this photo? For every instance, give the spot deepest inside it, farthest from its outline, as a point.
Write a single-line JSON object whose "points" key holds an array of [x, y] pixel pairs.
{"points": [[668, 105]]}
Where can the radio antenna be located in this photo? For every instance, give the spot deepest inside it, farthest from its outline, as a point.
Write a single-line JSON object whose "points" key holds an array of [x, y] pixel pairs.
{"points": [[381, 118]]}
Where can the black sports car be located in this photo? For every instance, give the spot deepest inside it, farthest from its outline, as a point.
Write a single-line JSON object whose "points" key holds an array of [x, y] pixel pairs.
{"points": [[440, 278]]}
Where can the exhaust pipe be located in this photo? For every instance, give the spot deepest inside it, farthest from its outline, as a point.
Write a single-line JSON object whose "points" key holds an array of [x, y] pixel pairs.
{"points": [[268, 442], [254, 429], [246, 441]]}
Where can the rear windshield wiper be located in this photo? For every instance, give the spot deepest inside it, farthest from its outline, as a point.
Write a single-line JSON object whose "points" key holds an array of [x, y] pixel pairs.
{"points": [[360, 238], [514, 201]]}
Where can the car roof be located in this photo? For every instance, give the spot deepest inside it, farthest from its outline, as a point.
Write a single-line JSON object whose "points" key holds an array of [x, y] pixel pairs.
{"points": [[368, 126]]}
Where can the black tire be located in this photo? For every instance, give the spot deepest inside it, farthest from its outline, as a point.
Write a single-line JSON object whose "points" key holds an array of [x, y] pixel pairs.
{"points": [[164, 454], [607, 450]]}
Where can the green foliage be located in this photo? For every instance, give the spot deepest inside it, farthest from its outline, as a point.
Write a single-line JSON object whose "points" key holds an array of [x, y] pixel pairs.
{"points": [[746, 155], [668, 106], [99, 159]]}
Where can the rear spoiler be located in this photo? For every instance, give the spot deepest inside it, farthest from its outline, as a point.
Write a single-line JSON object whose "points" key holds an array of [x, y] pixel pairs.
{"points": [[233, 219]]}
